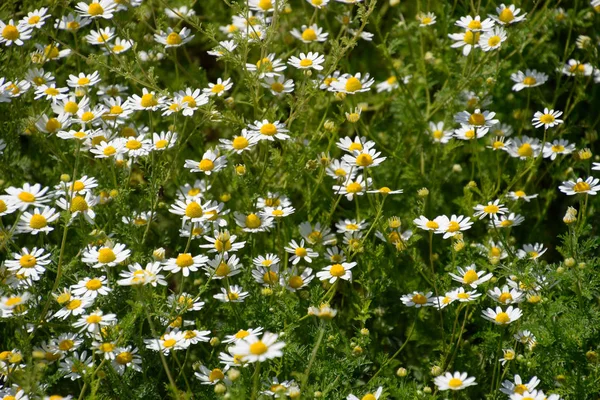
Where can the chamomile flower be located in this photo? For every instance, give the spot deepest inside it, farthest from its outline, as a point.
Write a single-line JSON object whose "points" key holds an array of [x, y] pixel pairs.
{"points": [[266, 276], [91, 287], [222, 242], [388, 85], [38, 221], [278, 212], [577, 68], [352, 84], [417, 299], [278, 85], [75, 366], [148, 101], [14, 89], [456, 381], [51, 92], [530, 78], [192, 99], [192, 209], [309, 60], [350, 145], [172, 38], [222, 267], [518, 386], [185, 263], [463, 296], [14, 33], [470, 276], [521, 195], [428, 225], [426, 19], [500, 317], [212, 377], [300, 253], [361, 159], [531, 251], [353, 187], [341, 170], [224, 47], [293, 280], [253, 222], [266, 130], [70, 105], [317, 234], [72, 305], [558, 146], [28, 196], [254, 349], [233, 294], [166, 343], [36, 18], [126, 357], [269, 66], [263, 6], [100, 37], [475, 24], [38, 77], [453, 225], [310, 34], [211, 162], [7, 205], [547, 119], [113, 148], [120, 46], [507, 355], [97, 9], [524, 147], [506, 295], [589, 186], [29, 263], [477, 118], [89, 115], [71, 22], [369, 396], [470, 132], [492, 39], [242, 334], [468, 40], [83, 80], [493, 210], [335, 272], [508, 15], [318, 3], [138, 275], [438, 133], [93, 322], [219, 88], [14, 304], [105, 256]]}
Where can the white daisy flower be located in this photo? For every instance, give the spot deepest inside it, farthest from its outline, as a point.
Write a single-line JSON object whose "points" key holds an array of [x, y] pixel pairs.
{"points": [[38, 221], [266, 130], [470, 276], [530, 78], [211, 162], [219, 88], [500, 317], [278, 85], [492, 209], [91, 287], [138, 275], [253, 222], [164, 140], [547, 119], [28, 195], [352, 84], [453, 225], [309, 60], [268, 66], [29, 263], [523, 148], [109, 255], [518, 386], [171, 38], [97, 9], [558, 146], [185, 263], [531, 251], [508, 15], [352, 187], [300, 253], [310, 34], [337, 271], [417, 299], [14, 33], [93, 322], [589, 186], [492, 39], [456, 381], [253, 348], [438, 134], [233, 294], [506, 295]]}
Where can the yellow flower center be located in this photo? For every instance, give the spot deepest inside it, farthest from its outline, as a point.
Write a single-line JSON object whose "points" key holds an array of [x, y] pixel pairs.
{"points": [[117, 48], [161, 144], [301, 252], [529, 80], [222, 245], [364, 160], [337, 270], [264, 64], [309, 35], [33, 20], [505, 297], [296, 282], [502, 318], [87, 116], [525, 150], [520, 193], [520, 389], [506, 15], [470, 276], [71, 107], [419, 299], [116, 109], [78, 204], [306, 62], [315, 236], [257, 348], [353, 84], [106, 255], [190, 101], [242, 334], [268, 129], [93, 319], [27, 261], [453, 226], [354, 187], [432, 225], [493, 41], [253, 221], [557, 148], [173, 39], [455, 383], [491, 209], [547, 118], [477, 119], [495, 252], [72, 25], [107, 347], [437, 134], [95, 9], [148, 100], [83, 81], [66, 345], [277, 87], [124, 358], [193, 210], [474, 24], [218, 88], [184, 260], [206, 165], [581, 187], [73, 304], [37, 221], [265, 4], [222, 270], [169, 343], [10, 32], [270, 277], [425, 20], [26, 197], [463, 296], [93, 284], [277, 213], [471, 38], [216, 375]]}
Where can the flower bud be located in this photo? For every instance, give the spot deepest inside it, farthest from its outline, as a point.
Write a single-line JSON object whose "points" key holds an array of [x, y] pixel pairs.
{"points": [[65, 178], [423, 192], [220, 388], [233, 374], [214, 341], [569, 262], [401, 372], [436, 370]]}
